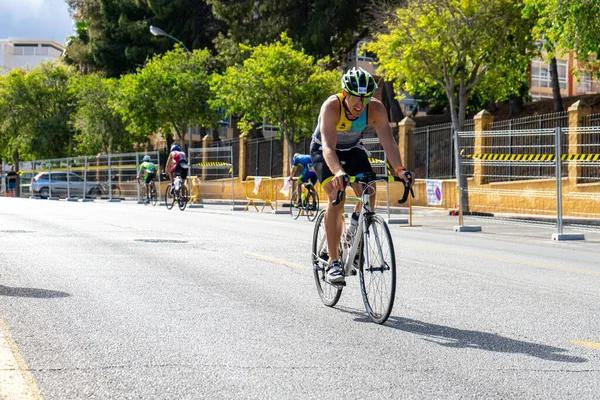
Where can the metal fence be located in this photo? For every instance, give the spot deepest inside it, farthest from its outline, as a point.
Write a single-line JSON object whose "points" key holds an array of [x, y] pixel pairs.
{"points": [[212, 167], [109, 176], [521, 173], [433, 150], [589, 142], [264, 157]]}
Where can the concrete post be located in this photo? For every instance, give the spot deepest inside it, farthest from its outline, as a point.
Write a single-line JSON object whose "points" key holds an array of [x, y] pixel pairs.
{"points": [[577, 114], [406, 128], [286, 156], [483, 121]]}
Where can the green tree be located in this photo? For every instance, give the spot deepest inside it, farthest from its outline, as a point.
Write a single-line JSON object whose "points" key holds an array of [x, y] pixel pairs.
{"points": [[35, 113], [562, 27], [322, 28], [278, 84], [170, 93], [457, 45], [113, 35], [98, 121]]}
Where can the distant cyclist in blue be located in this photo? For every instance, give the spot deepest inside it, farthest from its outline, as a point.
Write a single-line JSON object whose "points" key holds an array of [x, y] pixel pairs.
{"points": [[308, 172]]}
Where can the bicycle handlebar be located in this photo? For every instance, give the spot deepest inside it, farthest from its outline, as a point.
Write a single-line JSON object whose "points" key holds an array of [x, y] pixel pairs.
{"points": [[368, 178]]}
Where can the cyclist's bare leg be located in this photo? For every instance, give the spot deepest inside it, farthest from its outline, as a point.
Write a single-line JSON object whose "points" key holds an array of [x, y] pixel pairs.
{"points": [[333, 222]]}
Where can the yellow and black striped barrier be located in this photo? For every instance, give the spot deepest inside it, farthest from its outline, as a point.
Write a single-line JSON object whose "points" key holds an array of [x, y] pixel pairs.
{"points": [[531, 157], [214, 164]]}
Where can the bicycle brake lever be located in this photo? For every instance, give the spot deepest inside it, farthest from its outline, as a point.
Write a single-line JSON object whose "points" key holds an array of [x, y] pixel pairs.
{"points": [[407, 189], [340, 194]]}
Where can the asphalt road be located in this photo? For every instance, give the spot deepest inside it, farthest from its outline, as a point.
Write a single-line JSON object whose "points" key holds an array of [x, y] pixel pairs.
{"points": [[125, 301]]}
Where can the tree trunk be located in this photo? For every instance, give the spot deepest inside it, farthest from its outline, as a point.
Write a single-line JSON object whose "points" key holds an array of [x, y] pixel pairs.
{"points": [[515, 102], [16, 161], [394, 110], [558, 104], [215, 134]]}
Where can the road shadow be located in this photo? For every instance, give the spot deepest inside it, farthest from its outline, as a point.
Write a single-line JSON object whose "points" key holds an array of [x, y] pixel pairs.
{"points": [[469, 339], [31, 292]]}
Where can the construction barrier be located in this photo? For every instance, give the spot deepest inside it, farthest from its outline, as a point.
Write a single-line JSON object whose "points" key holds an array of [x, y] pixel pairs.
{"points": [[259, 189]]}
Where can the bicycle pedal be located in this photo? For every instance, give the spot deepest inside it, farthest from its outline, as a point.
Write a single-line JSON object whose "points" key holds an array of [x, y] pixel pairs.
{"points": [[353, 272]]}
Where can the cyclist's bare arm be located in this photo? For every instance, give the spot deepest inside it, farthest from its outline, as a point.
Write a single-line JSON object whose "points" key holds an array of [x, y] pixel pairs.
{"points": [[293, 171], [168, 166], [378, 117], [329, 120]]}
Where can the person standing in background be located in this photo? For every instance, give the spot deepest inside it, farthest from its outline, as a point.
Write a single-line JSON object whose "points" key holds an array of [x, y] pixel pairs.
{"points": [[11, 177]]}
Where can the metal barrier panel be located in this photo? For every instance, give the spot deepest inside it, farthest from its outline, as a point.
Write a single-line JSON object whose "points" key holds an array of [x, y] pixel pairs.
{"points": [[581, 192], [123, 176], [84, 176], [529, 176], [211, 169]]}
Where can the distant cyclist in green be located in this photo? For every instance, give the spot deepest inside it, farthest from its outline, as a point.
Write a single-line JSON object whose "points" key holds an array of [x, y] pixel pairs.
{"points": [[149, 169]]}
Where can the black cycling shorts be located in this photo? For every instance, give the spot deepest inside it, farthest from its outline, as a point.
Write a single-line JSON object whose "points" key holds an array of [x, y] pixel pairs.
{"points": [[354, 161], [183, 172], [149, 177]]}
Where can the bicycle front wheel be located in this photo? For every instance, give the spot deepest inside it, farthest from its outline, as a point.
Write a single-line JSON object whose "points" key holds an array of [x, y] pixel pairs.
{"points": [[153, 195], [378, 270], [295, 205], [329, 293], [312, 205], [183, 199], [169, 198]]}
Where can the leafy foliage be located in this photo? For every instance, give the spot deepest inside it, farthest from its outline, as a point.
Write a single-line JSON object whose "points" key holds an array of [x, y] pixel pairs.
{"points": [[100, 126], [170, 93], [457, 45], [322, 28], [35, 113], [113, 35], [278, 84]]}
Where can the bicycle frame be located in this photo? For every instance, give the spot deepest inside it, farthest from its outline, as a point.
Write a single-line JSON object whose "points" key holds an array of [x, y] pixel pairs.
{"points": [[361, 230]]}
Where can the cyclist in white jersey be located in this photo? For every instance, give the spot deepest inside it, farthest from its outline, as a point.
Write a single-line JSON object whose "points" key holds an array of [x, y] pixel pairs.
{"points": [[342, 120]]}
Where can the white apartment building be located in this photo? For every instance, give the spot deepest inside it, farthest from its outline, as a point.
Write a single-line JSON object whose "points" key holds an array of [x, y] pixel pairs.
{"points": [[27, 53]]}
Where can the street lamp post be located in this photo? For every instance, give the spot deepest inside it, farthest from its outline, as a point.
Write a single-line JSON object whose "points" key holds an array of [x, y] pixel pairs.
{"points": [[159, 32]]}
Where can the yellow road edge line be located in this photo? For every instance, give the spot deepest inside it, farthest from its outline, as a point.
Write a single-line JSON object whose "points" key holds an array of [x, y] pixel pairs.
{"points": [[16, 380], [516, 260], [585, 343], [274, 260]]}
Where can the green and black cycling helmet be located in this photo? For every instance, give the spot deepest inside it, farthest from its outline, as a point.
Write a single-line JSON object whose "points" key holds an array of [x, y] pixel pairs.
{"points": [[358, 82]]}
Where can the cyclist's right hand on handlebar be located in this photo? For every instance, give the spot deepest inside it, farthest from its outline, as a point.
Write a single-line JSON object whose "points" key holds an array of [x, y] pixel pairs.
{"points": [[342, 181], [408, 183]]}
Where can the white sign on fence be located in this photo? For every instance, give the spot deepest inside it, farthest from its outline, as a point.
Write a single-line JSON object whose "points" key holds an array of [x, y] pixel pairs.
{"points": [[434, 192]]}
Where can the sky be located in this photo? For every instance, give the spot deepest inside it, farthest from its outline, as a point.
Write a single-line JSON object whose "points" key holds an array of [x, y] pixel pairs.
{"points": [[35, 19]]}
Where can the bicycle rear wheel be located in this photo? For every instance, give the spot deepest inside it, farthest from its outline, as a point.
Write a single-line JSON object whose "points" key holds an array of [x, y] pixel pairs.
{"points": [[312, 205], [378, 270], [169, 198], [153, 195], [295, 205], [183, 199], [329, 293]]}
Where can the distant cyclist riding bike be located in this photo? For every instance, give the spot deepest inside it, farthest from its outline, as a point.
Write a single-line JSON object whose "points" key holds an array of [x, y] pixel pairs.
{"points": [[149, 170], [177, 168], [304, 201], [336, 142]]}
